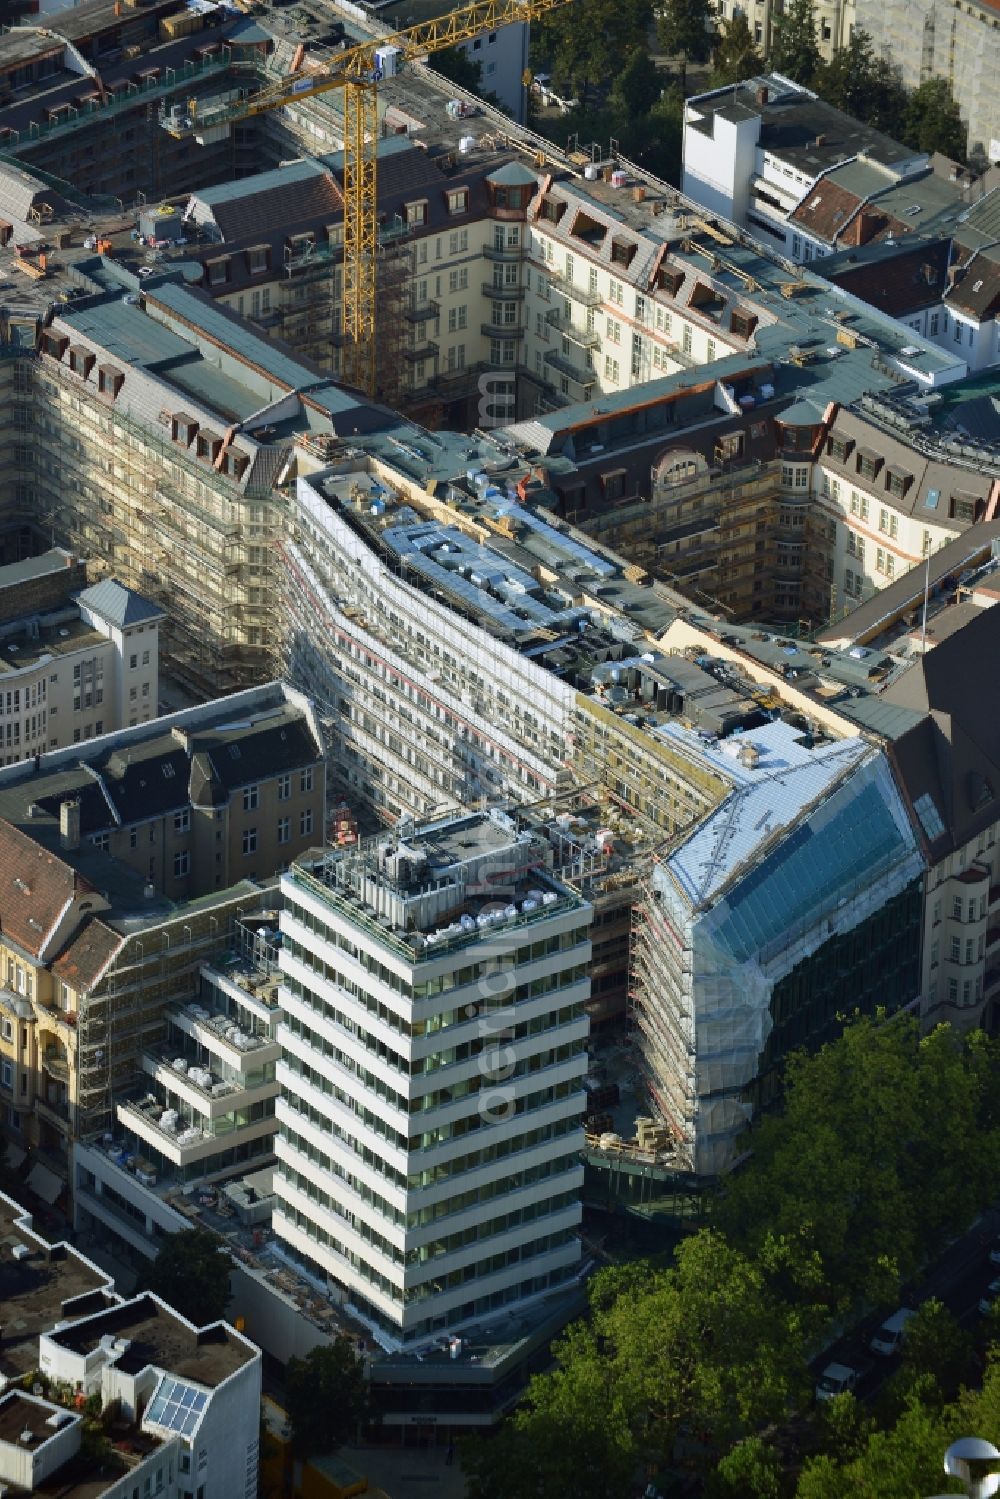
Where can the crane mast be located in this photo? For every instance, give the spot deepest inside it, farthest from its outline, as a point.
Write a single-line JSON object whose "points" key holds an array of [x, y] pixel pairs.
{"points": [[356, 71]]}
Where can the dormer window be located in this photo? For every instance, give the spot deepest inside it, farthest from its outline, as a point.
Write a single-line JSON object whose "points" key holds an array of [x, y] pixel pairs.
{"points": [[416, 213], [217, 270], [458, 201], [258, 259]]}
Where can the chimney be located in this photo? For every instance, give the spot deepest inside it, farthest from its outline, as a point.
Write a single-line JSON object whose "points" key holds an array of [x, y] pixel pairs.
{"points": [[820, 140], [69, 823], [762, 95]]}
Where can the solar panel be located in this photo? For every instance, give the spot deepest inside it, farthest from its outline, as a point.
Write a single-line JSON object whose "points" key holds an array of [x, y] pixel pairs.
{"points": [[176, 1406]]}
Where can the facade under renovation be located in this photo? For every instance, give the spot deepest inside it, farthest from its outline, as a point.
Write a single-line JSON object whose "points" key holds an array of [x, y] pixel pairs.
{"points": [[795, 902]]}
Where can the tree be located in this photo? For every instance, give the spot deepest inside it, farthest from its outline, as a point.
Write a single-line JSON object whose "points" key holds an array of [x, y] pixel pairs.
{"points": [[575, 42], [735, 57], [683, 27], [636, 88], [937, 1355], [326, 1397], [795, 51], [887, 1146], [191, 1273], [752, 1470], [864, 85], [931, 121]]}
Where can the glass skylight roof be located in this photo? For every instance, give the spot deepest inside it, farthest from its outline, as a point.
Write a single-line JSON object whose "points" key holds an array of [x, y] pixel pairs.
{"points": [[930, 818], [176, 1406]]}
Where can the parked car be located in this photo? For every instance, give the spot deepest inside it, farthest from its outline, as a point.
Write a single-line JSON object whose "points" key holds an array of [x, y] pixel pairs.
{"points": [[989, 1298], [836, 1379], [994, 1254], [889, 1337]]}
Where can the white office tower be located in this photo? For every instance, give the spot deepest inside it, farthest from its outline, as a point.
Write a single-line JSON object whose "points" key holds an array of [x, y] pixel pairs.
{"points": [[430, 1115]]}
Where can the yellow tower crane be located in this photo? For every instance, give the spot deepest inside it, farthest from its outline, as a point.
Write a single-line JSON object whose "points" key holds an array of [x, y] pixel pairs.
{"points": [[357, 71]]}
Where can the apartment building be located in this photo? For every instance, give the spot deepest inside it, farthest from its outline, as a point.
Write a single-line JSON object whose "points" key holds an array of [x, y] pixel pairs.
{"points": [[433, 988], [75, 662], [127, 863], [956, 43], [180, 1404], [81, 96], [754, 153], [834, 21], [887, 505], [201, 1114]]}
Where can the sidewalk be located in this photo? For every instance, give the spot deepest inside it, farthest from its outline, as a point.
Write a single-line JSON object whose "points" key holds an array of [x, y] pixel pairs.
{"points": [[408, 1473]]}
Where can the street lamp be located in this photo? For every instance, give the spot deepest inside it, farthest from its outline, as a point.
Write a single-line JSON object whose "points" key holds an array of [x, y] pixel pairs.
{"points": [[976, 1463]]}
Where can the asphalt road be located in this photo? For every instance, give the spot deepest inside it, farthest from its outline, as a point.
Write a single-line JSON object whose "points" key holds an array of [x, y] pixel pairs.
{"points": [[959, 1279]]}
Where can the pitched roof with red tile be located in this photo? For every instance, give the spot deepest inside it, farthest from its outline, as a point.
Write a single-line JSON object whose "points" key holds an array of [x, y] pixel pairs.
{"points": [[35, 889], [83, 963], [825, 210]]}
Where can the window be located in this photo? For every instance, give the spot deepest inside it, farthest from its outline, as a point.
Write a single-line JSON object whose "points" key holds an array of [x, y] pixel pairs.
{"points": [[284, 788], [251, 798], [458, 201], [306, 780], [616, 293], [133, 662], [306, 823], [416, 213], [249, 841], [284, 829], [611, 369], [182, 865], [182, 821], [145, 658], [7, 1074], [6, 1029], [614, 330], [686, 340], [955, 951]]}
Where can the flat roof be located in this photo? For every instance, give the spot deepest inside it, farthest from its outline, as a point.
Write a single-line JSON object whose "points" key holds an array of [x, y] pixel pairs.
{"points": [[160, 1337], [34, 1292]]}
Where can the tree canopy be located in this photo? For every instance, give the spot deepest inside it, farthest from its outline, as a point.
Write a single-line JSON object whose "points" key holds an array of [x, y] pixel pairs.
{"points": [[191, 1272], [734, 57], [576, 42], [795, 50], [864, 85], [888, 1142], [326, 1398], [682, 28], [931, 121]]}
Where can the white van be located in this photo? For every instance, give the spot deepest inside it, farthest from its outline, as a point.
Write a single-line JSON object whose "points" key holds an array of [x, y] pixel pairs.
{"points": [[889, 1338], [836, 1379]]}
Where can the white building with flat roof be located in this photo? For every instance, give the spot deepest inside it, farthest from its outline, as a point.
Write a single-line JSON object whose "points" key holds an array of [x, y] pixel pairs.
{"points": [[433, 1039]]}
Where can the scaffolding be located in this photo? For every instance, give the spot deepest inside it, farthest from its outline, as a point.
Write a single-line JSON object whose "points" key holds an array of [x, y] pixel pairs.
{"points": [[155, 966], [661, 1012], [112, 488]]}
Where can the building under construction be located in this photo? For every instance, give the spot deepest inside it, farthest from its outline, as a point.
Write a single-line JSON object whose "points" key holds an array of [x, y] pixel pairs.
{"points": [[796, 901], [129, 864]]}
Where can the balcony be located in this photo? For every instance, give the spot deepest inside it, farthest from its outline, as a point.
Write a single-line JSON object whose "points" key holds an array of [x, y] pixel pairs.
{"points": [[424, 313], [501, 330], [503, 256], [203, 1089], [567, 288], [580, 336], [502, 293], [426, 349], [180, 1142], [579, 374], [56, 1063]]}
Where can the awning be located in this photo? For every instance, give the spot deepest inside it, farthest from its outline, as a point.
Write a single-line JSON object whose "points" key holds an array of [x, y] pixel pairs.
{"points": [[44, 1183], [13, 1156]]}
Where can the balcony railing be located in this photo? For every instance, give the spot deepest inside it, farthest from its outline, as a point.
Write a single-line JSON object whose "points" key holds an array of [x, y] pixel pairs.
{"points": [[424, 313], [569, 288], [585, 338], [502, 293], [581, 375]]}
